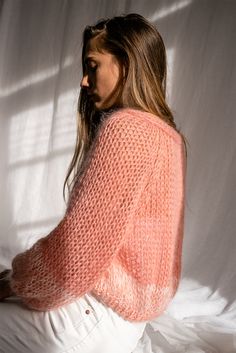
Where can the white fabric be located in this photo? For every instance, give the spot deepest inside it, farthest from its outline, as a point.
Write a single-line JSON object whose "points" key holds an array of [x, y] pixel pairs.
{"points": [[39, 83], [84, 326]]}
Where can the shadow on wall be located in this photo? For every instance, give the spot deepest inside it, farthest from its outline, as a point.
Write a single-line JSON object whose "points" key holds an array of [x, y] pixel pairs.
{"points": [[202, 97], [39, 84]]}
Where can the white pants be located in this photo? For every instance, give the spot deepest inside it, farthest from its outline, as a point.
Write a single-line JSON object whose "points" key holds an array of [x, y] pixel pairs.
{"points": [[84, 326]]}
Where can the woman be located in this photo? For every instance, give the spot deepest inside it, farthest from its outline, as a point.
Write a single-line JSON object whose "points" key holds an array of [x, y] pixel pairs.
{"points": [[114, 260]]}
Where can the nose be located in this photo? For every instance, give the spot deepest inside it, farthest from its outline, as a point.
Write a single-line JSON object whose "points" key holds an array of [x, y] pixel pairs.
{"points": [[84, 82]]}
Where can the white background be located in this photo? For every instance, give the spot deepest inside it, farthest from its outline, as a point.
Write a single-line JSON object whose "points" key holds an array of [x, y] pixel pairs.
{"points": [[40, 48]]}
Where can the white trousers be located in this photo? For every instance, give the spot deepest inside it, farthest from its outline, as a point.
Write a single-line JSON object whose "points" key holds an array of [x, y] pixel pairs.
{"points": [[84, 326]]}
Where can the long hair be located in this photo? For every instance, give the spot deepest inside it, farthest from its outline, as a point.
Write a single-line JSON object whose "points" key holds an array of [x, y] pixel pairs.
{"points": [[140, 50]]}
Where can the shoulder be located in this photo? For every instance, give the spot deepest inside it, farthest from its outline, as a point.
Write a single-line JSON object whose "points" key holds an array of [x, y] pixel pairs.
{"points": [[135, 120]]}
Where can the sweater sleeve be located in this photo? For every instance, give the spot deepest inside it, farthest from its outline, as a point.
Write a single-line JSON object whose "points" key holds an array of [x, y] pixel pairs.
{"points": [[69, 261]]}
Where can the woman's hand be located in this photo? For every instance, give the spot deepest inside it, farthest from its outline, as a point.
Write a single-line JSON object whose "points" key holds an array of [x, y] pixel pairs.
{"points": [[5, 289]]}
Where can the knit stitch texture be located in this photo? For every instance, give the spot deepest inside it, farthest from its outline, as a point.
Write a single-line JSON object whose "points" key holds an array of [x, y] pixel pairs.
{"points": [[121, 236]]}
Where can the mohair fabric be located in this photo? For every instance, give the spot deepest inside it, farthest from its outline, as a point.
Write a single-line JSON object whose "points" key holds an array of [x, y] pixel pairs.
{"points": [[121, 236]]}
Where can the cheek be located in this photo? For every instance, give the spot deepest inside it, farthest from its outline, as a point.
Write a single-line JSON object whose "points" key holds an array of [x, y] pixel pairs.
{"points": [[115, 74], [104, 83], [110, 80]]}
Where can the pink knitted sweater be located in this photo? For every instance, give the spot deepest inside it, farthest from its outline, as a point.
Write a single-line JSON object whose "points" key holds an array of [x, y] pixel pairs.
{"points": [[121, 236]]}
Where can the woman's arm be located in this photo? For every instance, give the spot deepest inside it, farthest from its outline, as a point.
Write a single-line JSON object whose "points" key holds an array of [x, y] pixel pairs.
{"points": [[68, 262]]}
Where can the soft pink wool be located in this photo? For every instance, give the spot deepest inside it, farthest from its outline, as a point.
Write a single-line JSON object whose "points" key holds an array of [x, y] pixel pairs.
{"points": [[121, 236]]}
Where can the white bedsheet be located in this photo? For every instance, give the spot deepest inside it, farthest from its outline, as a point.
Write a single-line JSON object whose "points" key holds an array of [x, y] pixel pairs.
{"points": [[196, 321], [191, 334]]}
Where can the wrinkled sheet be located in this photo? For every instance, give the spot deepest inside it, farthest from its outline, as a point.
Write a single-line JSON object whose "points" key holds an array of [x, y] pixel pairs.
{"points": [[179, 331]]}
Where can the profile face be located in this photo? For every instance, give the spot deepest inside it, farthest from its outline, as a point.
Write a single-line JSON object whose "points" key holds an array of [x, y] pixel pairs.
{"points": [[101, 77]]}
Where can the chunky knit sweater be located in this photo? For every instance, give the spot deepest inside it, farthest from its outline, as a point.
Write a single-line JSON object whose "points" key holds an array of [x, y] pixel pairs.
{"points": [[121, 235]]}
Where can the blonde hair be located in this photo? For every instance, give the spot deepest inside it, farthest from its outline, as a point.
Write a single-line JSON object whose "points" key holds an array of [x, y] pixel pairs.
{"points": [[140, 49]]}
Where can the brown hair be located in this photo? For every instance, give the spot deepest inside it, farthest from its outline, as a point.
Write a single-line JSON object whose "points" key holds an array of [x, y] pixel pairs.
{"points": [[140, 49]]}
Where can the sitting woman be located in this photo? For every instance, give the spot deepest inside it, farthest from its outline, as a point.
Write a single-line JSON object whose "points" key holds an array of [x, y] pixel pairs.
{"points": [[114, 260]]}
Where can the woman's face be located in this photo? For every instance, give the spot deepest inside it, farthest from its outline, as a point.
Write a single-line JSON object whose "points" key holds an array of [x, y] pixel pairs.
{"points": [[101, 77]]}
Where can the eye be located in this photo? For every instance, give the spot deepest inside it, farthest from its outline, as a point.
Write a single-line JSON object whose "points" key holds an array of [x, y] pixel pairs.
{"points": [[92, 68]]}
